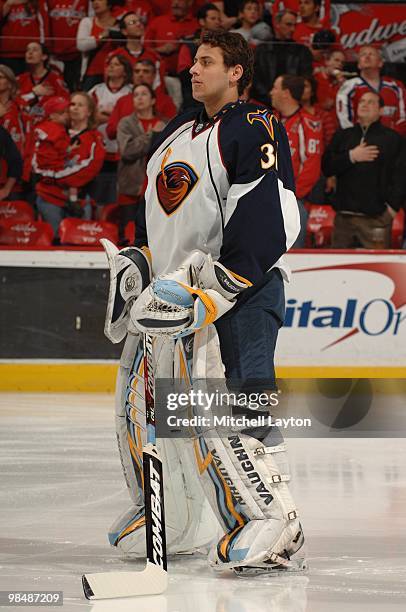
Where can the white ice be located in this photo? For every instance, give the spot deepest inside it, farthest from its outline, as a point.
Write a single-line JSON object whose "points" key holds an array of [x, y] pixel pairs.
{"points": [[62, 487]]}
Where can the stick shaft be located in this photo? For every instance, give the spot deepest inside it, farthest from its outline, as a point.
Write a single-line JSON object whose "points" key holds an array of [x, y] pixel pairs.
{"points": [[153, 474]]}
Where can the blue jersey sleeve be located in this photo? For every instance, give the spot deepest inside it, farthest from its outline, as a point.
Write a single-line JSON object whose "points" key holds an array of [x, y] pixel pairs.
{"points": [[262, 218]]}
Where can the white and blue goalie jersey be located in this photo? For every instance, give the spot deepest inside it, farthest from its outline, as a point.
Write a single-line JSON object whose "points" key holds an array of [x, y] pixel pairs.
{"points": [[225, 186]]}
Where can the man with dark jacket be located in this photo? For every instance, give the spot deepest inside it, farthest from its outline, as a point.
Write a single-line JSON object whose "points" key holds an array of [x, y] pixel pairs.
{"points": [[369, 184], [280, 56]]}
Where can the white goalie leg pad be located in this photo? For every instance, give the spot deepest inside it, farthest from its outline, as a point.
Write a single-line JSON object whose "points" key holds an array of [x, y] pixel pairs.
{"points": [[190, 523], [130, 274], [246, 483], [130, 431]]}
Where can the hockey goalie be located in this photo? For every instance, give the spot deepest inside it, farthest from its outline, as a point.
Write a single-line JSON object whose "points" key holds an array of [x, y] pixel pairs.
{"points": [[206, 282]]}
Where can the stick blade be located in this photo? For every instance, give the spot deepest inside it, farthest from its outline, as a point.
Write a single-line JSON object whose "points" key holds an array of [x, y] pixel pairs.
{"points": [[153, 580]]}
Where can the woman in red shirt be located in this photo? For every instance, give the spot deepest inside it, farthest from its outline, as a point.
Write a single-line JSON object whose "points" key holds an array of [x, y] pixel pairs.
{"points": [[39, 83]]}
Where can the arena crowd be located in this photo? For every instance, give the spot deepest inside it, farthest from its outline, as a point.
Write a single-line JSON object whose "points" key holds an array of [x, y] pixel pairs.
{"points": [[85, 87]]}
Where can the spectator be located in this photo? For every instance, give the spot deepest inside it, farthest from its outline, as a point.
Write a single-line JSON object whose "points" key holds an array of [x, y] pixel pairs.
{"points": [[208, 17], [134, 136], [144, 72], [51, 137], [10, 115], [171, 27], [21, 21], [94, 40], [117, 79], [251, 27], [329, 80], [141, 8], [51, 144], [132, 28], [228, 13], [304, 134], [281, 56], [309, 11], [11, 165], [310, 104], [391, 91], [39, 83], [323, 42], [85, 158], [64, 19], [363, 158]]}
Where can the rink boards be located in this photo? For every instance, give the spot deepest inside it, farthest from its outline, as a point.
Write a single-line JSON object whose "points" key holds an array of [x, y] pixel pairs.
{"points": [[345, 317]]}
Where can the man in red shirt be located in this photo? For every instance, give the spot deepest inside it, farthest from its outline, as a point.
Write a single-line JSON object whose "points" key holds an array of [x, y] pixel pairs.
{"points": [[305, 136], [144, 72], [309, 11], [164, 32]]}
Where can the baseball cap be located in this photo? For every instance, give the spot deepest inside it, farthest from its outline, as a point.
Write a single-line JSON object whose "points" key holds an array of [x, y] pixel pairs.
{"points": [[56, 104]]}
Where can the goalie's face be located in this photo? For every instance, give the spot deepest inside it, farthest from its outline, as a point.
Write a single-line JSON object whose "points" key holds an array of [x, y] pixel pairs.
{"points": [[212, 81]]}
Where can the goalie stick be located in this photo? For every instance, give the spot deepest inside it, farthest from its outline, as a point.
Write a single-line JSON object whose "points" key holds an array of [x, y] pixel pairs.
{"points": [[153, 580]]}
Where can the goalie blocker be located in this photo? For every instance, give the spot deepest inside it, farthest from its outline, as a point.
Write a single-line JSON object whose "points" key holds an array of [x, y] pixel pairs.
{"points": [[198, 293]]}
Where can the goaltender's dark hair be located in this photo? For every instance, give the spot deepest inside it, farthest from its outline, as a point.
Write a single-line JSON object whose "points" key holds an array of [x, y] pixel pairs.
{"points": [[235, 51]]}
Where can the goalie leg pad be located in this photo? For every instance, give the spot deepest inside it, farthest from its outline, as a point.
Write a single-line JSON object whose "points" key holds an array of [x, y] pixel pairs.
{"points": [[254, 505], [190, 524], [189, 521], [245, 476]]}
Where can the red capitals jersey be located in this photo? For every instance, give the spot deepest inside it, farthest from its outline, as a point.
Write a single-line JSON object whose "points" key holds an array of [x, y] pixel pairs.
{"points": [[392, 92], [64, 18], [51, 144], [23, 24], [33, 104], [305, 141], [13, 122], [85, 158]]}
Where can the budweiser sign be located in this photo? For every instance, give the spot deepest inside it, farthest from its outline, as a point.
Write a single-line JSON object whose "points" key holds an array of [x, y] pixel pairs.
{"points": [[381, 25]]}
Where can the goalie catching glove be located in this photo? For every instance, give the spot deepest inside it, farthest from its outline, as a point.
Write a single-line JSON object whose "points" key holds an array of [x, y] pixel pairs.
{"points": [[130, 273], [195, 295]]}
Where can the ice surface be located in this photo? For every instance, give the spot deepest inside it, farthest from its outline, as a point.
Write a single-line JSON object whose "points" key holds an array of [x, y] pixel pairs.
{"points": [[62, 487]]}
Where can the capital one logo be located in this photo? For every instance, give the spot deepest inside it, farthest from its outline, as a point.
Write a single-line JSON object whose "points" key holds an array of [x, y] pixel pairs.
{"points": [[372, 317]]}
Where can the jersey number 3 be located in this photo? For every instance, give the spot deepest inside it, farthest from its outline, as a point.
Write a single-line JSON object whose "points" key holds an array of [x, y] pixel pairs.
{"points": [[268, 152]]}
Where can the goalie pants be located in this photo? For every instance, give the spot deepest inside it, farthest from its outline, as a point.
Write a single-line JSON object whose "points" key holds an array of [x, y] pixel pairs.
{"points": [[248, 334]]}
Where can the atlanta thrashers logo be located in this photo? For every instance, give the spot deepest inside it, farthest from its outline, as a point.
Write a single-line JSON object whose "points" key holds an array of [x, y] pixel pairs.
{"points": [[173, 184], [264, 117]]}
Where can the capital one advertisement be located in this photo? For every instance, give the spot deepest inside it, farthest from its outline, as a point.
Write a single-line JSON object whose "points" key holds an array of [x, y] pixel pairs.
{"points": [[382, 25], [343, 310]]}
